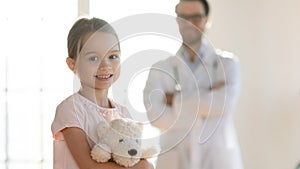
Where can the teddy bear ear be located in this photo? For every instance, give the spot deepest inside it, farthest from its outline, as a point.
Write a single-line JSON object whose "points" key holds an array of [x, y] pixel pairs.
{"points": [[102, 128], [138, 123]]}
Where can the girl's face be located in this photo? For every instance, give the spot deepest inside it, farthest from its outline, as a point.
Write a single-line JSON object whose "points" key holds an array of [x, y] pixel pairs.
{"points": [[98, 64]]}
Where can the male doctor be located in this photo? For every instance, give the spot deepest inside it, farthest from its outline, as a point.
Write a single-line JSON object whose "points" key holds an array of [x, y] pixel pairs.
{"points": [[190, 97]]}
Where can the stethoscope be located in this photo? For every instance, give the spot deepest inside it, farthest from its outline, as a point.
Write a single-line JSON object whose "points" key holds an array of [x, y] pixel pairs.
{"points": [[177, 86]]}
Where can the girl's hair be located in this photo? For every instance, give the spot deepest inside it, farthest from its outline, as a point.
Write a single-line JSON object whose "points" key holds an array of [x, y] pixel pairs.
{"points": [[81, 28]]}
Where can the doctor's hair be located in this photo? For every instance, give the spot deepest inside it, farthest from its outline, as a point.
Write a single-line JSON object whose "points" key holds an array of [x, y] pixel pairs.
{"points": [[83, 27], [204, 2]]}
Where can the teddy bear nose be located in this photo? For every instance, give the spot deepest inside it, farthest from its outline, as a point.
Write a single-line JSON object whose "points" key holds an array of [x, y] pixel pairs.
{"points": [[132, 152]]}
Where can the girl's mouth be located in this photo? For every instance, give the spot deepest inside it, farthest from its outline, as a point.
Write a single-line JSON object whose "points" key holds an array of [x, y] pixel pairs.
{"points": [[104, 77]]}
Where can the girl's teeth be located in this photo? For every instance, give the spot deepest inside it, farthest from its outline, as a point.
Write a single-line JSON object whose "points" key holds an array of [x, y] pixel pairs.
{"points": [[102, 77]]}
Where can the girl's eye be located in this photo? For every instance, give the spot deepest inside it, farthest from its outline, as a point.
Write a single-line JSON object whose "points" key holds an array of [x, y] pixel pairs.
{"points": [[113, 57], [121, 140], [93, 58]]}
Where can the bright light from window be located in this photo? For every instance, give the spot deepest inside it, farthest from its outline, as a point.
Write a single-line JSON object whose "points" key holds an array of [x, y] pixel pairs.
{"points": [[33, 78]]}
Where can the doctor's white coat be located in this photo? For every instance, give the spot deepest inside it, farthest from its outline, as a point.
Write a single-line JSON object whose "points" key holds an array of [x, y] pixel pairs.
{"points": [[197, 131]]}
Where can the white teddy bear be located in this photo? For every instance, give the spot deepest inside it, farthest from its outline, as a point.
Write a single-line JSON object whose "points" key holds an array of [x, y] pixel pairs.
{"points": [[120, 140]]}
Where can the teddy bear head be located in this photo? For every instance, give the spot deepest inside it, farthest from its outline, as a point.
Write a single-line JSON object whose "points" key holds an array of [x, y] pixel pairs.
{"points": [[120, 140]]}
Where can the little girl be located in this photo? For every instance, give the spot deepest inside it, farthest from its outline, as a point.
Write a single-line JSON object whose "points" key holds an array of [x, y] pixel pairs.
{"points": [[94, 57]]}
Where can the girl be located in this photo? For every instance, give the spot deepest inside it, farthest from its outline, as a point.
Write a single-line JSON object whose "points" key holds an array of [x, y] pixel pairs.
{"points": [[94, 57]]}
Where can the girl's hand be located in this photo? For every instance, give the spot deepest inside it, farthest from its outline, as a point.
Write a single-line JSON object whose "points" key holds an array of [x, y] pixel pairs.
{"points": [[143, 164]]}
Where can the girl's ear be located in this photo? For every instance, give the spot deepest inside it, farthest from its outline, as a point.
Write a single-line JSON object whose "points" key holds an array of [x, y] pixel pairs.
{"points": [[71, 63]]}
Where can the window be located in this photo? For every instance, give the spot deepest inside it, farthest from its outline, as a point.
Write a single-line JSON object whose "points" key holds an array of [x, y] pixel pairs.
{"points": [[33, 78]]}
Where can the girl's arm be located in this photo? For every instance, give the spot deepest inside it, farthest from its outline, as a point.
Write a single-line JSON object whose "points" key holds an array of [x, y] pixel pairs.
{"points": [[80, 150]]}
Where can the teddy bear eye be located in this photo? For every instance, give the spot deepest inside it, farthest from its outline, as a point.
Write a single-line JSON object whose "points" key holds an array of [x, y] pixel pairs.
{"points": [[121, 140]]}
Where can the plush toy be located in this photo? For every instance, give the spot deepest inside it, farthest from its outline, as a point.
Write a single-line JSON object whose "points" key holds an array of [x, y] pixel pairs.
{"points": [[120, 140]]}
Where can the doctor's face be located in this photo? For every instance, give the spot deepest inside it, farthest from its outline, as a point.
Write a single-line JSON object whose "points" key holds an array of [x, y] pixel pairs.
{"points": [[191, 20]]}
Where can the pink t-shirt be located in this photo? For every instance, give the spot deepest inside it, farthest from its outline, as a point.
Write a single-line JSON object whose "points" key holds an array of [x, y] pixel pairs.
{"points": [[78, 111]]}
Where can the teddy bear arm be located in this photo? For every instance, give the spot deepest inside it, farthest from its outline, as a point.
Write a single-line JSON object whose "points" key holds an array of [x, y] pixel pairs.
{"points": [[101, 153]]}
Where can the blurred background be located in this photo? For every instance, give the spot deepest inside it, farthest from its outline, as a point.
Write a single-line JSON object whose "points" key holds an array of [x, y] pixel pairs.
{"points": [[34, 77]]}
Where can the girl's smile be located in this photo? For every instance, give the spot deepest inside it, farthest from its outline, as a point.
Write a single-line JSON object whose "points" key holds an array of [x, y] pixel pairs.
{"points": [[103, 76]]}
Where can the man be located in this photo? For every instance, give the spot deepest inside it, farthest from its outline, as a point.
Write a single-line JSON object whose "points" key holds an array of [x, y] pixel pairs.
{"points": [[190, 97]]}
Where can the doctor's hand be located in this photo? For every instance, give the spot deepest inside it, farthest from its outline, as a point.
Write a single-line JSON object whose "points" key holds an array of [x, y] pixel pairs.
{"points": [[169, 98], [217, 85]]}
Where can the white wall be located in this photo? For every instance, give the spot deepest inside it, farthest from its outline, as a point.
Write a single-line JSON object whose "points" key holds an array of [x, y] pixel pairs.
{"points": [[265, 36]]}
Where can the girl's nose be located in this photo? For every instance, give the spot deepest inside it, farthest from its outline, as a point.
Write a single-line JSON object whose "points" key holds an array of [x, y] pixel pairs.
{"points": [[104, 64]]}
